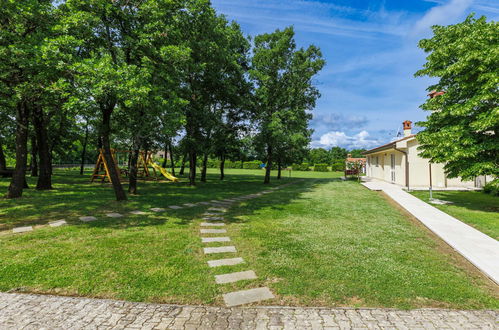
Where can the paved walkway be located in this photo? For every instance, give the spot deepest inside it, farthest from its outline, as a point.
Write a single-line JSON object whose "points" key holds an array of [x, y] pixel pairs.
{"points": [[480, 249], [26, 311]]}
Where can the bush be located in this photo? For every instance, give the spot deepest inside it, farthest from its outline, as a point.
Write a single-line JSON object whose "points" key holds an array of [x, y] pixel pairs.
{"points": [[254, 165], [301, 167], [321, 168], [338, 167], [213, 163], [492, 188]]}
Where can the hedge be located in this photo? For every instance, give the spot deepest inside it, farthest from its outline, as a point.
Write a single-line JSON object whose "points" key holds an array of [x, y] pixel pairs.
{"points": [[254, 165], [338, 167], [301, 167], [492, 188], [321, 168]]}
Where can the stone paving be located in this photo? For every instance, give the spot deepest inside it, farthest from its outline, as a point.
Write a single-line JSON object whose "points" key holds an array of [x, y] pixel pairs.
{"points": [[27, 311]]}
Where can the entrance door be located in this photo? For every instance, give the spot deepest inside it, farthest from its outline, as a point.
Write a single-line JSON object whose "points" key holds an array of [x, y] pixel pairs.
{"points": [[392, 167]]}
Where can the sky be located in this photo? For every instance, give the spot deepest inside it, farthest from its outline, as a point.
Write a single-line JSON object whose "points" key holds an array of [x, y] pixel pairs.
{"points": [[368, 86]]}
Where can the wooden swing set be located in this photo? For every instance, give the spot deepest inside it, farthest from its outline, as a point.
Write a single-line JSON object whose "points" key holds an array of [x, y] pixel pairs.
{"points": [[101, 169]]}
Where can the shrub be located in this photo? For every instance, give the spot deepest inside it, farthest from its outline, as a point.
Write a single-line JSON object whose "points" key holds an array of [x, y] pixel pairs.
{"points": [[254, 165], [321, 168], [492, 188], [301, 167], [213, 163], [338, 166]]}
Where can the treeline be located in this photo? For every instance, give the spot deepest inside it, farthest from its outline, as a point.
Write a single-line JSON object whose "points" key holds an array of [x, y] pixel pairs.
{"points": [[147, 75]]}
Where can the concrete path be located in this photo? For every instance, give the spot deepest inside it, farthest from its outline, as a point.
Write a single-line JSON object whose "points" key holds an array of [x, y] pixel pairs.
{"points": [[481, 250], [26, 311]]}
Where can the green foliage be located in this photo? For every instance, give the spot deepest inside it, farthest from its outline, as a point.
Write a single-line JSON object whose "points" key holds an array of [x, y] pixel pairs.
{"points": [[338, 166], [462, 128], [253, 165], [492, 188], [321, 168], [301, 167]]}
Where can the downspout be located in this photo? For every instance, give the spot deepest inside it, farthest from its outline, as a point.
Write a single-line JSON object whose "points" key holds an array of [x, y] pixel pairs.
{"points": [[406, 167]]}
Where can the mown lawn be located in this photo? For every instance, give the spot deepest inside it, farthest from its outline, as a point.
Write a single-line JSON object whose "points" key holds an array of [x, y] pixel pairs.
{"points": [[472, 207], [320, 241]]}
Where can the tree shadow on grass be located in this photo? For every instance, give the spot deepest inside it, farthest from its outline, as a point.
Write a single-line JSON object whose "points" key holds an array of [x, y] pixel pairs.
{"points": [[471, 200]]}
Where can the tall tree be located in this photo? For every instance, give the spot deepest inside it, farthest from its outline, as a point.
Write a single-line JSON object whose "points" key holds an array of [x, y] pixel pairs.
{"points": [[284, 90], [462, 129]]}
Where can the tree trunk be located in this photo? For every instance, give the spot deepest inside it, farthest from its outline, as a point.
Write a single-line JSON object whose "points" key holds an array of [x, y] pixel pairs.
{"points": [[84, 151], [113, 173], [165, 159], [132, 186], [34, 156], [278, 170], [182, 167], [268, 166], [170, 146], [3, 162], [192, 168], [204, 168], [45, 165], [19, 176], [222, 167]]}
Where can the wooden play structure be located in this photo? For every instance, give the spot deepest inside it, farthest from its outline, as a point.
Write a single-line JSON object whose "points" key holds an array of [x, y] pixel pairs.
{"points": [[101, 169]]}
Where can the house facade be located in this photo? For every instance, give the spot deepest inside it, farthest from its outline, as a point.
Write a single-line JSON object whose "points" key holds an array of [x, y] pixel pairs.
{"points": [[398, 162]]}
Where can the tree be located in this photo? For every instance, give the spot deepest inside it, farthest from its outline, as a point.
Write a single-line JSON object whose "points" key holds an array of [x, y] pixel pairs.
{"points": [[462, 129], [338, 154], [284, 90], [319, 156]]}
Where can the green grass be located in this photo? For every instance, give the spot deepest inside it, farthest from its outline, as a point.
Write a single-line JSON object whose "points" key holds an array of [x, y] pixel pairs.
{"points": [[320, 241], [472, 207]]}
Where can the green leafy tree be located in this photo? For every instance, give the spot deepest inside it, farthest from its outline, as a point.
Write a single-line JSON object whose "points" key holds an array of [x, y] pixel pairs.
{"points": [[284, 91], [462, 129]]}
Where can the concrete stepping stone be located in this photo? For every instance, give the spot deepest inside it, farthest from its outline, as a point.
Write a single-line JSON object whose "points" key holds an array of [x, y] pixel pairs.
{"points": [[247, 296], [212, 224], [88, 218], [234, 277], [22, 229], [213, 231], [213, 218], [114, 215], [211, 214], [175, 207], [204, 203], [57, 223], [220, 249], [158, 209], [225, 262], [189, 205], [219, 209], [215, 239], [138, 212]]}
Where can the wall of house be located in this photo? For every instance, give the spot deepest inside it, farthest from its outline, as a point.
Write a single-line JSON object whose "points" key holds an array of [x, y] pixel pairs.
{"points": [[382, 171]]}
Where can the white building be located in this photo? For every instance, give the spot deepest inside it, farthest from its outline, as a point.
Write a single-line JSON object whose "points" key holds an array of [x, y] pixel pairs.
{"points": [[398, 162]]}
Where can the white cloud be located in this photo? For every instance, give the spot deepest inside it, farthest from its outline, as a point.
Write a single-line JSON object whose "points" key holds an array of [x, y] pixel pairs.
{"points": [[341, 139], [442, 15]]}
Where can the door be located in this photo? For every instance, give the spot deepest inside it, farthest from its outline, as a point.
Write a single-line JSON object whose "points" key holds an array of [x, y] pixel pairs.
{"points": [[392, 167]]}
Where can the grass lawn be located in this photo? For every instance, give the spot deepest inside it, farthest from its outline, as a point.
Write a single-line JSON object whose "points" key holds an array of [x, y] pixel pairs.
{"points": [[472, 207], [320, 241]]}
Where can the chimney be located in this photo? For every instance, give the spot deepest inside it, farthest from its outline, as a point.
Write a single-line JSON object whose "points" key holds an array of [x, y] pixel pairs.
{"points": [[407, 128]]}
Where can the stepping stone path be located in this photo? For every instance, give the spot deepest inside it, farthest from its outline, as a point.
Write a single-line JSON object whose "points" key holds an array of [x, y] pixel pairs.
{"points": [[216, 213], [22, 229], [225, 262], [215, 239], [234, 277], [220, 249], [138, 212], [114, 215], [175, 207], [88, 218], [238, 298], [213, 231], [57, 223], [157, 209], [212, 224], [189, 205]]}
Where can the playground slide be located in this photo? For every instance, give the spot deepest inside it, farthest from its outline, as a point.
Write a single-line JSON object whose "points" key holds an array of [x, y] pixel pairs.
{"points": [[164, 172]]}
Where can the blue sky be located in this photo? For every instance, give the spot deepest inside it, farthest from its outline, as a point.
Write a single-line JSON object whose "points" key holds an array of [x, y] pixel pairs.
{"points": [[367, 86]]}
